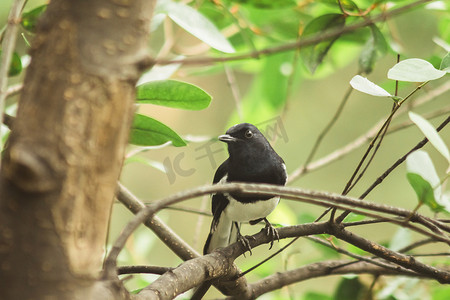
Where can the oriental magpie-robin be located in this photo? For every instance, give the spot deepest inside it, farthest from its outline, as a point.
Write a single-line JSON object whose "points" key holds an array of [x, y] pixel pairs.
{"points": [[251, 159]]}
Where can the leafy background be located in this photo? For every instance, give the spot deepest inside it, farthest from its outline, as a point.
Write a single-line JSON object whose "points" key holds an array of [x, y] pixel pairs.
{"points": [[296, 89]]}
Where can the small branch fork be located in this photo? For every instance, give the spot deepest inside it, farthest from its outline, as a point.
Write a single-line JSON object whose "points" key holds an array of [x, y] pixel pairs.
{"points": [[219, 264]]}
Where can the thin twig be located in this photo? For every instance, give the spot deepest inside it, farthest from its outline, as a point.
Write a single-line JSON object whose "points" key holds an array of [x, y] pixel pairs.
{"points": [[370, 134], [302, 43], [403, 260], [393, 167], [269, 257], [369, 260], [191, 210], [380, 134], [315, 270], [416, 245], [328, 126], [364, 222]]}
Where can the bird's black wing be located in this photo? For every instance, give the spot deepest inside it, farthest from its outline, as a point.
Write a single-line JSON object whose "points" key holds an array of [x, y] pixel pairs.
{"points": [[219, 202]]}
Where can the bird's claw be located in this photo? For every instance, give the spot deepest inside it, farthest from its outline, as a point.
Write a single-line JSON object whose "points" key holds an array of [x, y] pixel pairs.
{"points": [[271, 232], [244, 240]]}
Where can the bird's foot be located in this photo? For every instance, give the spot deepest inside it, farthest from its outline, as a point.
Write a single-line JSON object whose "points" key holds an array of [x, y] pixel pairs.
{"points": [[244, 240], [271, 232]]}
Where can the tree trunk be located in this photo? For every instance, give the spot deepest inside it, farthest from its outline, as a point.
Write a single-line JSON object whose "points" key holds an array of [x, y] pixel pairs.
{"points": [[65, 152]]}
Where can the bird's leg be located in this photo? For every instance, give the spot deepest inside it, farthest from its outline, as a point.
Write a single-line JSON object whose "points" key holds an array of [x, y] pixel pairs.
{"points": [[244, 239], [271, 231]]}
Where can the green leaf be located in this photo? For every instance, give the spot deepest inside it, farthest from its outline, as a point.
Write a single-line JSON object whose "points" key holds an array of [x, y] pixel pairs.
{"points": [[424, 191], [196, 24], [348, 289], [16, 64], [423, 178], [445, 63], [173, 93], [414, 70], [374, 48], [146, 131], [431, 134], [364, 85], [313, 55], [29, 19]]}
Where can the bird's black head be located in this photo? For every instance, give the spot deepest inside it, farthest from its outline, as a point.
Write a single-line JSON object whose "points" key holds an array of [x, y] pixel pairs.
{"points": [[252, 159], [244, 132], [244, 137]]}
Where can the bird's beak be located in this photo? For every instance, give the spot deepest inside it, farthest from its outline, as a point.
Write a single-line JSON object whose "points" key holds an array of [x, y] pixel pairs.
{"points": [[227, 138]]}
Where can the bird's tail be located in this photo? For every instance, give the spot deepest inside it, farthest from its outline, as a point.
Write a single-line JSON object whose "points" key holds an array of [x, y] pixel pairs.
{"points": [[222, 233]]}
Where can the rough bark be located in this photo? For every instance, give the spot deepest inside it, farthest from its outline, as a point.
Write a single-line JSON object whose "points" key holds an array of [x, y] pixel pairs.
{"points": [[65, 152]]}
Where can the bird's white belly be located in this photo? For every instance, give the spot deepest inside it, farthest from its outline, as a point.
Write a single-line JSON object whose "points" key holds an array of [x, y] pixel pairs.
{"points": [[244, 212]]}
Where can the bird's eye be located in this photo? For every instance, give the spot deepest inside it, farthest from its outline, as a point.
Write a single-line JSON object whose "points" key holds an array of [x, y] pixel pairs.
{"points": [[249, 134]]}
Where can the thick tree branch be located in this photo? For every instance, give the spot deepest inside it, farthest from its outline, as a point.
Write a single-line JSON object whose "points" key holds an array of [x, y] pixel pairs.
{"points": [[314, 197], [217, 264], [122, 270]]}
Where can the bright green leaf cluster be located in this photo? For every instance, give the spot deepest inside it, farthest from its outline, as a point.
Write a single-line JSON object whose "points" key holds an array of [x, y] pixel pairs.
{"points": [[146, 131]]}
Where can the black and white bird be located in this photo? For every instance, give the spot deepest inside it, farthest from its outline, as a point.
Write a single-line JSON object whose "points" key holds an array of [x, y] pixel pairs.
{"points": [[253, 160]]}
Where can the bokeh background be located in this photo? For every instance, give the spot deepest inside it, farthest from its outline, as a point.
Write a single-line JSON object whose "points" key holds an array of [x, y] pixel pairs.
{"points": [[310, 103]]}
